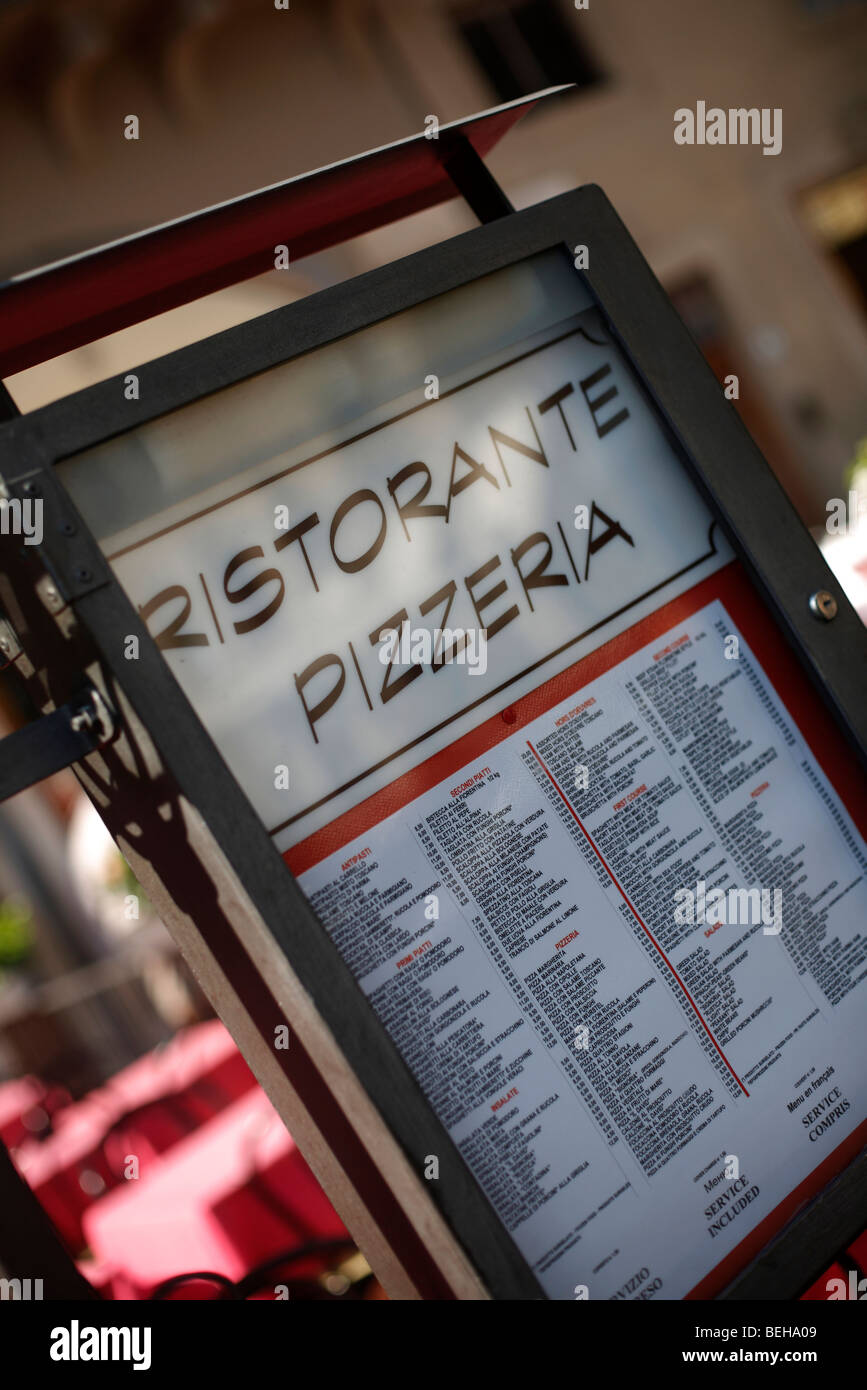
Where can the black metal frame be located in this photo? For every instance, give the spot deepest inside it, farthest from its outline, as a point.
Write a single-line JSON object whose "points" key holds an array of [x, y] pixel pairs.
{"points": [[717, 450]]}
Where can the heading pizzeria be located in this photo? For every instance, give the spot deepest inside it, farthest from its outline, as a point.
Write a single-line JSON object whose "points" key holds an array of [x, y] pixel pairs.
{"points": [[496, 589]]}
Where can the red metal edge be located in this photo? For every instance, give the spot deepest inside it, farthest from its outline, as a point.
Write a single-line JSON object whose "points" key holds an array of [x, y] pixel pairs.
{"points": [[58, 307]]}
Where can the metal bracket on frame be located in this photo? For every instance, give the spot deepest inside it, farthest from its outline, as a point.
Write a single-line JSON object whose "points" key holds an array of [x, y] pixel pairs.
{"points": [[55, 741]]}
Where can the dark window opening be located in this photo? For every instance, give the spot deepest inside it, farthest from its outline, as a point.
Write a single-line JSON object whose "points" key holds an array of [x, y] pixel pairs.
{"points": [[853, 254], [526, 46]]}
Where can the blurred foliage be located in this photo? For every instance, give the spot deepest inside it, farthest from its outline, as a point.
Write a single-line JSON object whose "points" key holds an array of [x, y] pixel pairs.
{"points": [[858, 467], [16, 932]]}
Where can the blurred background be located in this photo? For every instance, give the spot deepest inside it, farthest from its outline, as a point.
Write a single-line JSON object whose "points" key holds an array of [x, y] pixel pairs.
{"points": [[108, 1050]]}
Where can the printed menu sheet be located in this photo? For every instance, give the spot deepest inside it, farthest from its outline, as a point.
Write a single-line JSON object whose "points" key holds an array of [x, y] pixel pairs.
{"points": [[625, 956]]}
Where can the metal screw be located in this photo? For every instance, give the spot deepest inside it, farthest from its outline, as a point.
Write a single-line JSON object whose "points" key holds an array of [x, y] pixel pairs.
{"points": [[823, 605], [9, 644]]}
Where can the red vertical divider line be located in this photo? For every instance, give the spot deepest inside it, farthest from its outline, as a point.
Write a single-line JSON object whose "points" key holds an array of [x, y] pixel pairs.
{"points": [[643, 926]]}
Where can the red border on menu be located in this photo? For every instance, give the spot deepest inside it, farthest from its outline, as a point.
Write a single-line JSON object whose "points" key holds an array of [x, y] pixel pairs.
{"points": [[794, 691]]}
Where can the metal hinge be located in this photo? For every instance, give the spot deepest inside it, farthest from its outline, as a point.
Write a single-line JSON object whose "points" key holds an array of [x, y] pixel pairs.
{"points": [[55, 741]]}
